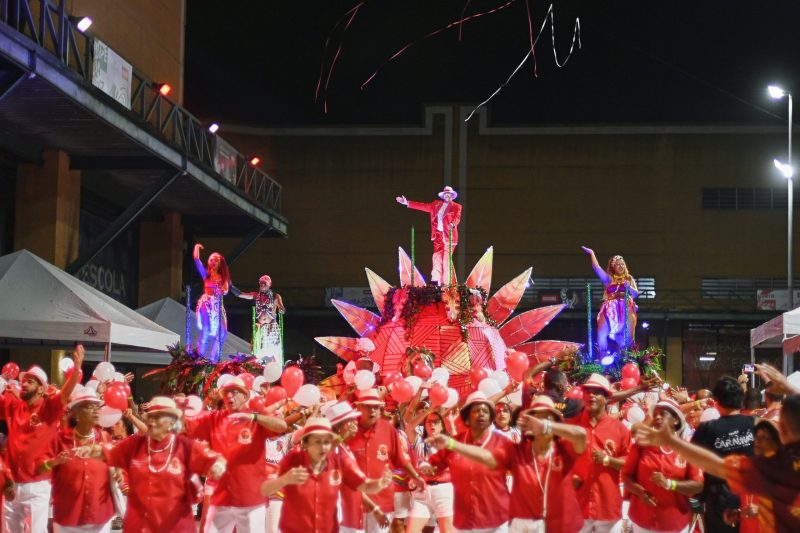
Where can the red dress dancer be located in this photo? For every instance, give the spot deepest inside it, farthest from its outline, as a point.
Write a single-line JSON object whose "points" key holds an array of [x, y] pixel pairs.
{"points": [[445, 216], [211, 318]]}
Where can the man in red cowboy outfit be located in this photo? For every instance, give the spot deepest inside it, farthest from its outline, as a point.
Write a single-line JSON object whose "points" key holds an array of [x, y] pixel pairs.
{"points": [[445, 216]]}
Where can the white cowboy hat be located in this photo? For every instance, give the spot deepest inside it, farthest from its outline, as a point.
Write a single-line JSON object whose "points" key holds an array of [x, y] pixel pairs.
{"points": [[450, 190]]}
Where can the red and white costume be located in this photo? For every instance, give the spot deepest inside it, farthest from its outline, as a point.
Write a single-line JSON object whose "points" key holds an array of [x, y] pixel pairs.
{"points": [[480, 494], [81, 487], [31, 430], [312, 505], [599, 494], [160, 497], [445, 217], [237, 498]]}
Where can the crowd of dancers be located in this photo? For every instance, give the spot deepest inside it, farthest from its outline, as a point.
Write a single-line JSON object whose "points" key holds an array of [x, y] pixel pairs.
{"points": [[570, 459]]}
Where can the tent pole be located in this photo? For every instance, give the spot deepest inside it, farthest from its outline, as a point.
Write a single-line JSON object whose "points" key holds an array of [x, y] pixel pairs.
{"points": [[107, 352]]}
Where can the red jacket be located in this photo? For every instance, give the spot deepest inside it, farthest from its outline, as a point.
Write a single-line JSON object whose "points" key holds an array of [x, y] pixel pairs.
{"points": [[451, 216]]}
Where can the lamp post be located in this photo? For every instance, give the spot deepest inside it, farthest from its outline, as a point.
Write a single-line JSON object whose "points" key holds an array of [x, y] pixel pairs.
{"points": [[788, 172]]}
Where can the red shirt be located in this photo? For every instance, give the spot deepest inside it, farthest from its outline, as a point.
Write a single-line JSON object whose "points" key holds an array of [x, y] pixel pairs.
{"points": [[554, 475], [672, 512], [159, 500], [599, 495], [31, 430], [243, 444], [480, 491], [312, 505], [374, 450], [81, 487]]}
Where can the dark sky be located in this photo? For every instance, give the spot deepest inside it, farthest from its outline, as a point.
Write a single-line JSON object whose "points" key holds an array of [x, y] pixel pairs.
{"points": [[258, 61]]}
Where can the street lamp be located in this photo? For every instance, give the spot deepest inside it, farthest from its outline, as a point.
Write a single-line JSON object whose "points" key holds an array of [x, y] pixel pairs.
{"points": [[786, 169]]}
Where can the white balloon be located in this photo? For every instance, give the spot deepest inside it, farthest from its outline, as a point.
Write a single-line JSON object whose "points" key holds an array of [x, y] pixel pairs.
{"points": [[104, 371], [415, 382], [794, 378], [3, 384], [452, 398], [515, 396], [500, 377], [635, 414], [272, 372], [224, 379], [65, 364], [260, 380], [108, 416], [364, 379], [307, 395], [13, 383], [709, 414], [119, 376], [489, 387], [92, 384], [441, 376], [327, 405], [194, 405]]}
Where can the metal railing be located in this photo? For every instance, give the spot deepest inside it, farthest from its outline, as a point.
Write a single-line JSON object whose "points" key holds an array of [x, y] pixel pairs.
{"points": [[47, 23]]}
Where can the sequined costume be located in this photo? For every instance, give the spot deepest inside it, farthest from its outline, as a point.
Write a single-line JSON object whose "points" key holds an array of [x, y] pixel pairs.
{"points": [[613, 311], [267, 341]]}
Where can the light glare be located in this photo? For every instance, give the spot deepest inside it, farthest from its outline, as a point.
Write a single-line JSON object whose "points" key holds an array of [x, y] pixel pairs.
{"points": [[785, 169], [776, 92], [213, 128], [84, 24]]}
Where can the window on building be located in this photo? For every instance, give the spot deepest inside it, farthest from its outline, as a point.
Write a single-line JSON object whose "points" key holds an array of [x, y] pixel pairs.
{"points": [[744, 198]]}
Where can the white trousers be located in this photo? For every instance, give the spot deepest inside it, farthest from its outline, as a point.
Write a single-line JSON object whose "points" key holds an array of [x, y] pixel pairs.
{"points": [[99, 528], [222, 519], [601, 526], [29, 510], [640, 529], [526, 525], [274, 516], [502, 529]]}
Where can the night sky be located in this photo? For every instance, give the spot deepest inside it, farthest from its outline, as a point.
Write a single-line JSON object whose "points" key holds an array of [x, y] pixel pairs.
{"points": [[258, 62]]}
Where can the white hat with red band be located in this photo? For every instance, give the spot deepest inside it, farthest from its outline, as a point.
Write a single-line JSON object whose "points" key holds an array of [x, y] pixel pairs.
{"points": [[369, 397], [598, 381], [36, 373], [673, 407], [545, 403], [317, 426], [82, 395], [163, 405], [341, 412]]}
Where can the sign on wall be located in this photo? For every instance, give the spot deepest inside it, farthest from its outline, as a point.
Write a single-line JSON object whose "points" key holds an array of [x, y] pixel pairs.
{"points": [[775, 299], [360, 296], [112, 74], [224, 159]]}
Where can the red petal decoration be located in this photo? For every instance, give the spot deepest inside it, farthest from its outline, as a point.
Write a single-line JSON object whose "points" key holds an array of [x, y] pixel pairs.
{"points": [[344, 347], [360, 319], [504, 301], [546, 349], [404, 264], [379, 288], [481, 275], [523, 327]]}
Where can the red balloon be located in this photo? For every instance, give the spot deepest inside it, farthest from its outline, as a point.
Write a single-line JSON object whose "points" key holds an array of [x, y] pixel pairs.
{"points": [[438, 395], [126, 388], [257, 404], [516, 365], [248, 379], [422, 371], [275, 394], [476, 375], [402, 391], [292, 379], [392, 376], [628, 383], [631, 370], [576, 393], [115, 397], [11, 369]]}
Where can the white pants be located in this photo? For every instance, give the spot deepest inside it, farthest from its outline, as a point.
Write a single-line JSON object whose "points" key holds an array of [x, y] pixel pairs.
{"points": [[501, 529], [222, 519], [434, 501], [99, 528], [601, 526], [526, 525], [29, 510], [640, 529], [371, 525], [344, 529], [402, 504], [274, 516]]}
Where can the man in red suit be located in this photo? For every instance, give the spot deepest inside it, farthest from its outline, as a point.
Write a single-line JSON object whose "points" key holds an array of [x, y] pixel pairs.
{"points": [[445, 216]]}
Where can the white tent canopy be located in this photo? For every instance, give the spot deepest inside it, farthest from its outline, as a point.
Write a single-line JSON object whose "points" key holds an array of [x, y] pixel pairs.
{"points": [[783, 331], [45, 304]]}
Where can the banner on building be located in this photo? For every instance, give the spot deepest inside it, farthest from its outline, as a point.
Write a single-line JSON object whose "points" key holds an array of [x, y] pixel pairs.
{"points": [[225, 159], [572, 298], [360, 296], [112, 74], [775, 299]]}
